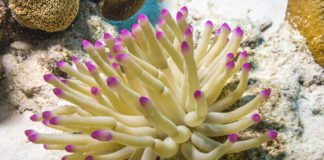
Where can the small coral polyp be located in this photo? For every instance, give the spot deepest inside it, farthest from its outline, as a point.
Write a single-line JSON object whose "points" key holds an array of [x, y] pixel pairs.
{"points": [[153, 95]]}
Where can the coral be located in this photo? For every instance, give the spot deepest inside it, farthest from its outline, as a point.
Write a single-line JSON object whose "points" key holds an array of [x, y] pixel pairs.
{"points": [[47, 15], [121, 9], [153, 96], [308, 17]]}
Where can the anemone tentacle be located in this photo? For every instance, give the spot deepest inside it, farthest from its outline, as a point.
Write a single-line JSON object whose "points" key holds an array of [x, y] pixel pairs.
{"points": [[151, 94]]}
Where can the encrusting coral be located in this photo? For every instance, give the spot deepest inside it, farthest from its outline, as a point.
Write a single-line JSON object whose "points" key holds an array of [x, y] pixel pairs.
{"points": [[47, 15], [153, 96], [308, 17]]}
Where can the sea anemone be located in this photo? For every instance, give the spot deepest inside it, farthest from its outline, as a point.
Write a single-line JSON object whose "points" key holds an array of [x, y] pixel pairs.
{"points": [[154, 95]]}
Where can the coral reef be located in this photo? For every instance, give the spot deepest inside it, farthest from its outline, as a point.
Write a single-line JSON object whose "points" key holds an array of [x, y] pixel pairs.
{"points": [[47, 15], [153, 95], [308, 17], [121, 9]]}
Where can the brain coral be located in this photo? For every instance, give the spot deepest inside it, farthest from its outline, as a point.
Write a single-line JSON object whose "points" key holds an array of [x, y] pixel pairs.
{"points": [[154, 95], [47, 15]]}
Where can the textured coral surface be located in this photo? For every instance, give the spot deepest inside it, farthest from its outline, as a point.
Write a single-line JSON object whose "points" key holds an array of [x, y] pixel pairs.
{"points": [[47, 15], [308, 17]]}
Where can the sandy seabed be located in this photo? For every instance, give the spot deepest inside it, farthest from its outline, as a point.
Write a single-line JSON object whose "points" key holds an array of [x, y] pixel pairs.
{"points": [[280, 58]]}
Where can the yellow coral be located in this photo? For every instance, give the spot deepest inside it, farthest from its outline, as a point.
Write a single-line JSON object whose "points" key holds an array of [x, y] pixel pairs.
{"points": [[47, 15]]}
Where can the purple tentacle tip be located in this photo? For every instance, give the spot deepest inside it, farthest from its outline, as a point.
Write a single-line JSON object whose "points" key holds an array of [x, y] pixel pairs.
{"points": [[111, 57], [164, 12], [45, 122], [115, 65], [144, 101], [75, 59], [124, 33], [34, 117], [191, 28], [58, 92], [244, 54], [184, 9], [230, 65], [86, 44], [266, 93], [45, 146], [48, 77], [256, 117], [209, 24], [233, 137], [30, 132], [95, 91], [272, 134], [118, 41], [60, 64], [54, 121], [238, 31], [107, 36], [225, 26], [218, 31], [89, 158], [64, 81], [112, 82], [142, 18], [161, 21], [98, 44], [188, 32], [230, 56], [185, 47], [118, 48], [179, 16], [101, 135], [91, 68], [34, 138], [246, 67], [70, 148], [198, 94], [135, 27], [159, 35], [121, 57], [63, 158], [47, 115]]}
